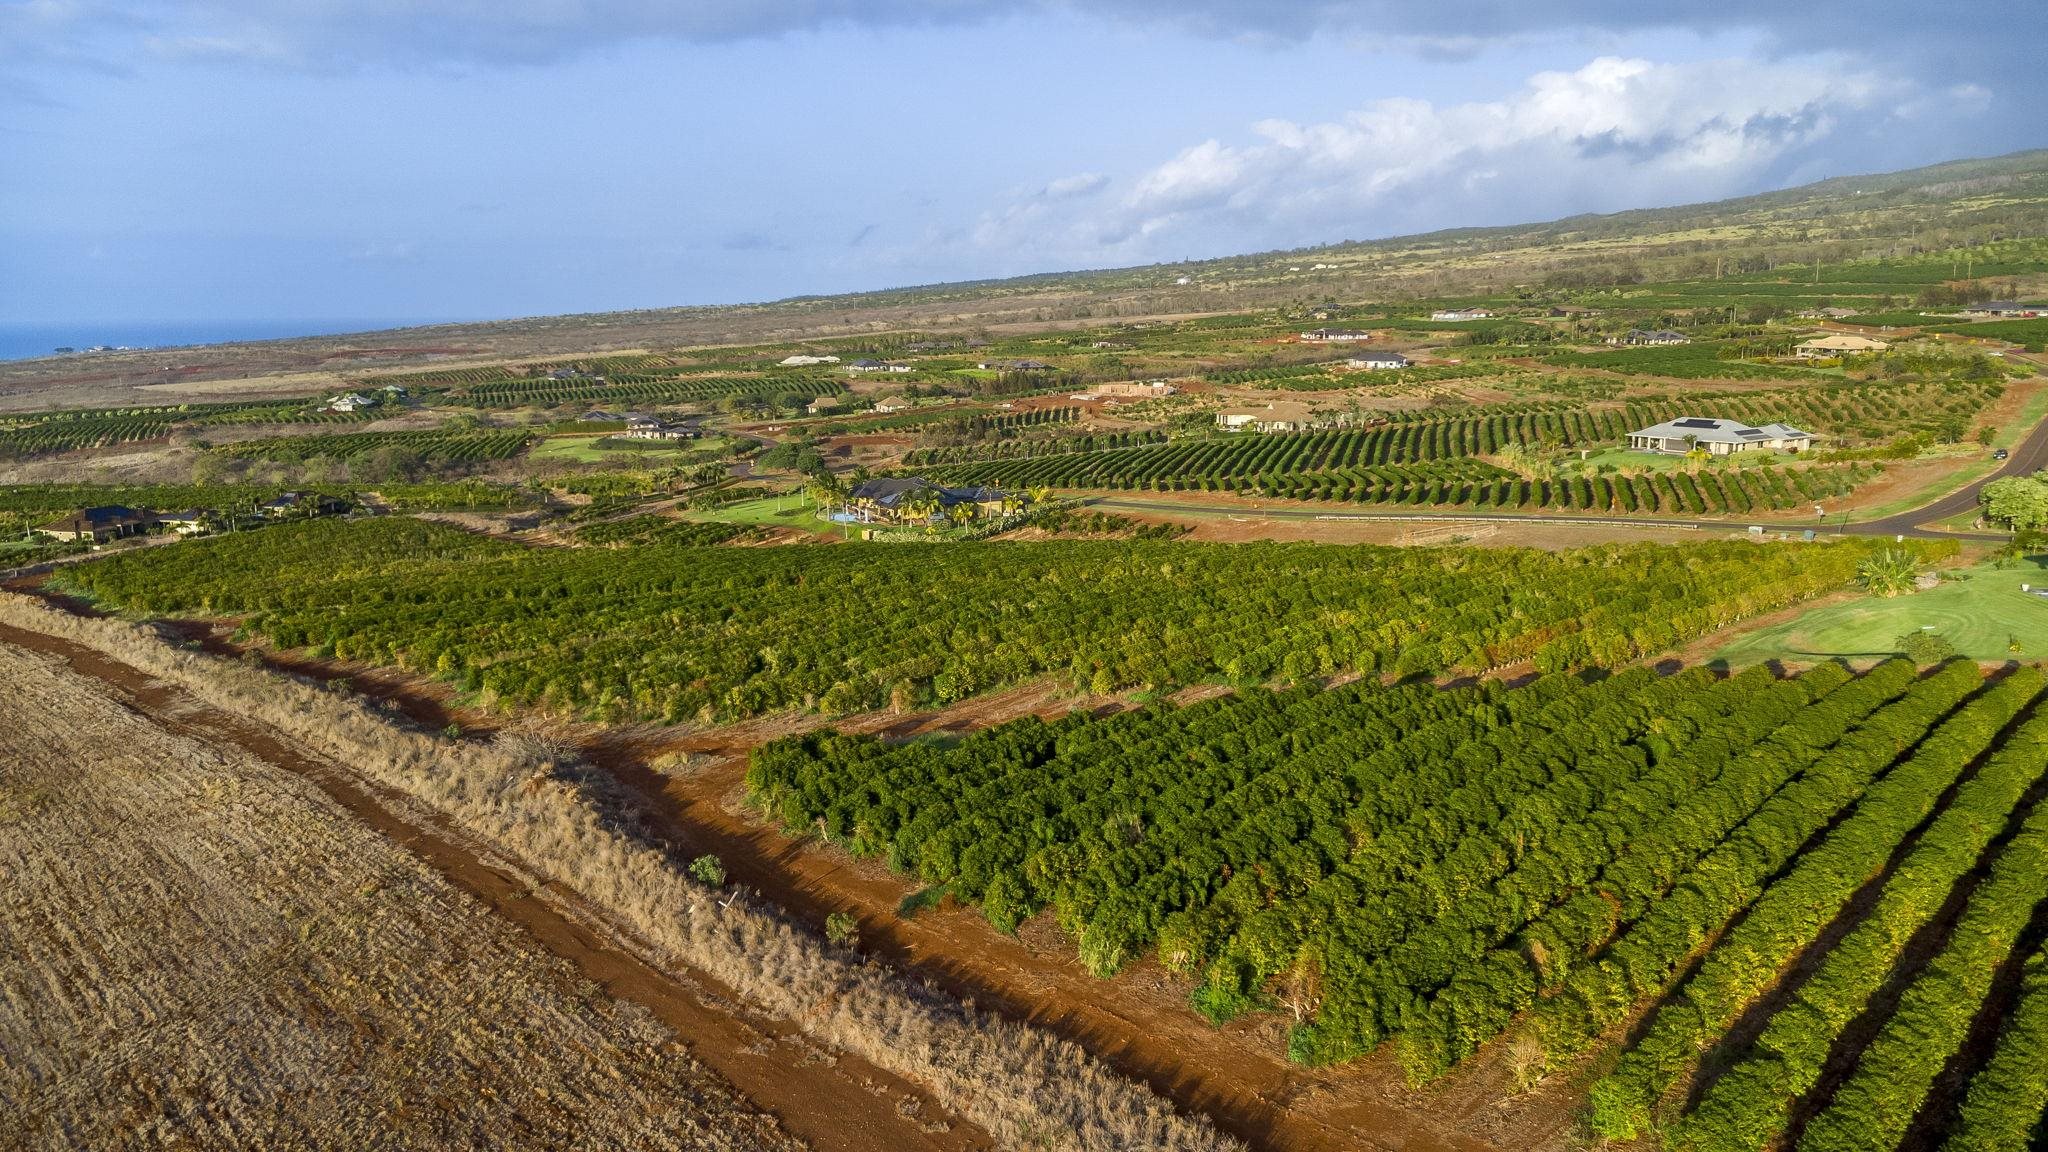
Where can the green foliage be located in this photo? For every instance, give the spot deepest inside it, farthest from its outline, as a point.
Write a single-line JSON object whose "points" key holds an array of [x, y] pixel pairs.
{"points": [[1924, 647], [1889, 573], [436, 445], [709, 870], [669, 633], [2018, 502], [842, 929]]}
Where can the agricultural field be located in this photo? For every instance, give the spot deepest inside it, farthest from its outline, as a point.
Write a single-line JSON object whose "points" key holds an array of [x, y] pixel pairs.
{"points": [[672, 633], [456, 447], [1690, 885], [180, 914]]}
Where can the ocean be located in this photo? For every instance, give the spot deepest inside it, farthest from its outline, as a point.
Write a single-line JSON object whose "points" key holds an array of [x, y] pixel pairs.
{"points": [[21, 341]]}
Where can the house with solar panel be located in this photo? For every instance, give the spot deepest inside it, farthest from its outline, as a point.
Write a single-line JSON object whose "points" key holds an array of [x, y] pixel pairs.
{"points": [[1718, 437]]}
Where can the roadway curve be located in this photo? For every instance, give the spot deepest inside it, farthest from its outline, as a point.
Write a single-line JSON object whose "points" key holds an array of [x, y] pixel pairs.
{"points": [[2029, 457]]}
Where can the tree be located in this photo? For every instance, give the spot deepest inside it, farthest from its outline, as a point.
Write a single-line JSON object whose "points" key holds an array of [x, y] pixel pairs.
{"points": [[1924, 647], [2018, 502], [1889, 573]]}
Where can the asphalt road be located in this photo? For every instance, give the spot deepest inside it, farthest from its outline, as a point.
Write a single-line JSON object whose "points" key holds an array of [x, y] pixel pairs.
{"points": [[2030, 456]]}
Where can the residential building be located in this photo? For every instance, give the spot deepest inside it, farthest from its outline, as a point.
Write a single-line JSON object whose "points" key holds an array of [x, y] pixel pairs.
{"points": [[1013, 366], [1278, 416], [877, 366], [1377, 361], [888, 404], [801, 361], [100, 524], [307, 503], [349, 402], [1827, 347], [913, 498], [2011, 308], [1336, 335], [1718, 437], [822, 404], [189, 522], [1455, 314]]}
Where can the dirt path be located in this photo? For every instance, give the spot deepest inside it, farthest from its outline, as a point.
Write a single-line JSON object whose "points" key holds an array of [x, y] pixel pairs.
{"points": [[830, 1100]]}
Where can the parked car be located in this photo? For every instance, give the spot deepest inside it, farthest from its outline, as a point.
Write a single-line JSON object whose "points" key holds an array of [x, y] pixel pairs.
{"points": [[2000, 454]]}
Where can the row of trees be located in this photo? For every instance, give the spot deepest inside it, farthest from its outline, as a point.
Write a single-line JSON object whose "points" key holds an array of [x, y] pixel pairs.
{"points": [[737, 632]]}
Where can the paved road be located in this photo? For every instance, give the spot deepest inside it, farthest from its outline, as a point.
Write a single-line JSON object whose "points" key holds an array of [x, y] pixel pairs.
{"points": [[2030, 456]]}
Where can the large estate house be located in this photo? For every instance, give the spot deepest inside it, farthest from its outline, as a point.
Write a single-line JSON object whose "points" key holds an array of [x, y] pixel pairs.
{"points": [[100, 524], [1829, 347], [1336, 335], [1718, 437], [1377, 361], [1278, 416], [914, 498]]}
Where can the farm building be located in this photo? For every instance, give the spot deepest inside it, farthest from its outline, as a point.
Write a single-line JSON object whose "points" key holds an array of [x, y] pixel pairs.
{"points": [[1135, 389], [1718, 437], [911, 498], [1458, 314], [1826, 347], [1336, 335], [877, 366], [888, 404], [802, 361], [100, 524], [1278, 416], [1377, 361]]}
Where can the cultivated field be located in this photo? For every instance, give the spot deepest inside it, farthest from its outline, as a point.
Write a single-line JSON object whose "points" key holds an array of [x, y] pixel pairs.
{"points": [[198, 949]]}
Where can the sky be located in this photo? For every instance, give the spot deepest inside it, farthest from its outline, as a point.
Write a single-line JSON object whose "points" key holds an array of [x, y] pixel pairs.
{"points": [[234, 160]]}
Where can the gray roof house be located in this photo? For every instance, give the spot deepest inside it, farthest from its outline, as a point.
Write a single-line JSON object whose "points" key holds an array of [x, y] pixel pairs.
{"points": [[1718, 437], [891, 497]]}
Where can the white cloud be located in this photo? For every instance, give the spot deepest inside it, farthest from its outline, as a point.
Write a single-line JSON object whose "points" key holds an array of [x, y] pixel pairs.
{"points": [[1615, 133]]}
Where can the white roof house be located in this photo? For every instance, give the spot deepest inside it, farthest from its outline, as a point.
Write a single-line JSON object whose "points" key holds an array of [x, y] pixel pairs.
{"points": [[349, 402], [1461, 314], [1718, 437], [1336, 335], [801, 361], [1377, 361]]}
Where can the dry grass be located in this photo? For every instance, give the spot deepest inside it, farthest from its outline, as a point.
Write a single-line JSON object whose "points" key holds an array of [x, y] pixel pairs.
{"points": [[199, 950], [522, 797]]}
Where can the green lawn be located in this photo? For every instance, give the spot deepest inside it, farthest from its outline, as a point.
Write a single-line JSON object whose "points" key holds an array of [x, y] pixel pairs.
{"points": [[791, 511], [1980, 614], [1631, 460], [583, 449]]}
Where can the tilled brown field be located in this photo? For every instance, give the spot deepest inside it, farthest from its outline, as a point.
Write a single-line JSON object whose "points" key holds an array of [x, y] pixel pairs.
{"points": [[198, 949]]}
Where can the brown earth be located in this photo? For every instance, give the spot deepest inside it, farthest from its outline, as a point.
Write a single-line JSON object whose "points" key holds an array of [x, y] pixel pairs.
{"points": [[825, 1098]]}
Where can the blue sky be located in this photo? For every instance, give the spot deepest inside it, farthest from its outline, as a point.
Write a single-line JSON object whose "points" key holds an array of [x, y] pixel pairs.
{"points": [[241, 159]]}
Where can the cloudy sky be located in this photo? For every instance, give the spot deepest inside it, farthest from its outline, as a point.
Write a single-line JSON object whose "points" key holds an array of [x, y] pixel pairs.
{"points": [[263, 159]]}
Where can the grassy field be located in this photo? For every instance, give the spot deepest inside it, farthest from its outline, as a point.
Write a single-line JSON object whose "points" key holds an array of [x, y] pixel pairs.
{"points": [[791, 511], [584, 449], [1980, 613]]}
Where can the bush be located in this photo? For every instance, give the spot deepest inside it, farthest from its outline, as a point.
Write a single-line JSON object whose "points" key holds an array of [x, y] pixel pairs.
{"points": [[843, 929], [708, 870], [1924, 647]]}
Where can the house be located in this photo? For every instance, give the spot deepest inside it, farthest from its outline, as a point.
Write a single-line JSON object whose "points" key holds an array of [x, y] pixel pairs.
{"points": [[1138, 389], [888, 404], [349, 402], [822, 405], [640, 427], [100, 524], [877, 366], [801, 361], [2004, 308], [1826, 347], [1377, 361], [1457, 314], [189, 522], [1278, 416], [915, 498], [600, 416], [303, 503], [1637, 337], [1336, 335], [1718, 437]]}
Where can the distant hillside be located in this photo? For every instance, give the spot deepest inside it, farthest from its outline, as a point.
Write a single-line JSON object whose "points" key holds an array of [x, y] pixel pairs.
{"points": [[1920, 214]]}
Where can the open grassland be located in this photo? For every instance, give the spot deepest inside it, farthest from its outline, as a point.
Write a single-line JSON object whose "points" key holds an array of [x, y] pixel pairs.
{"points": [[198, 949], [582, 839], [1981, 611], [674, 633]]}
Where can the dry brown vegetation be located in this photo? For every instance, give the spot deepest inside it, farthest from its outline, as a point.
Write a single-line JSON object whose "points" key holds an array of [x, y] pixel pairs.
{"points": [[201, 949], [523, 797]]}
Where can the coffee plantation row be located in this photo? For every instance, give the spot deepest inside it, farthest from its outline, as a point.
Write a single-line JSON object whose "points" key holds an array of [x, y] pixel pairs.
{"points": [[674, 633], [429, 444], [1437, 867]]}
